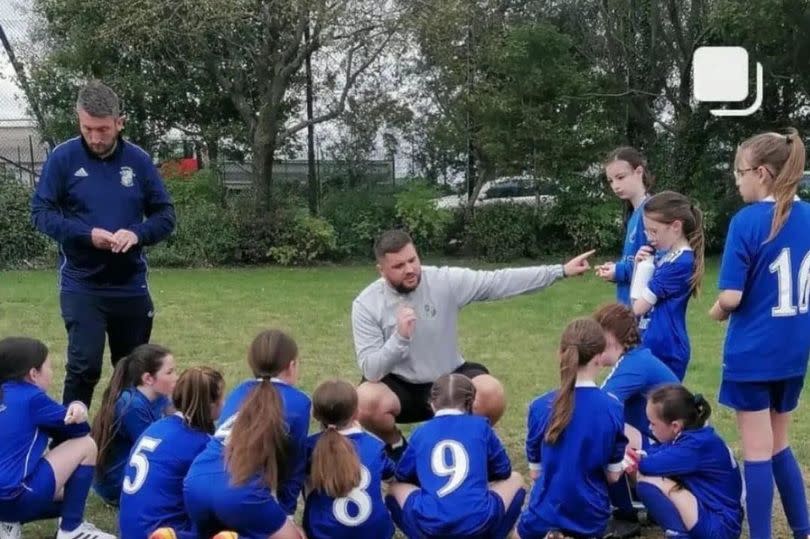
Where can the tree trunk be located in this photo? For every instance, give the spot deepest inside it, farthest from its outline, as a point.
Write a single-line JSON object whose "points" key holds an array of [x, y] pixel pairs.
{"points": [[313, 189], [264, 148]]}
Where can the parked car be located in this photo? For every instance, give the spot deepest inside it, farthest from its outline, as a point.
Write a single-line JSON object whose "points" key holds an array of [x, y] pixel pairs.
{"points": [[514, 189]]}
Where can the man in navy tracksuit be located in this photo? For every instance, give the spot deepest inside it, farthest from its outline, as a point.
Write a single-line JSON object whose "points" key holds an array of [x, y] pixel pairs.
{"points": [[102, 200]]}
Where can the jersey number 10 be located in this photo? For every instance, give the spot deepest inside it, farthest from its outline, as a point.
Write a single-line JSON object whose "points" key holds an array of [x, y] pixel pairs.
{"points": [[781, 267]]}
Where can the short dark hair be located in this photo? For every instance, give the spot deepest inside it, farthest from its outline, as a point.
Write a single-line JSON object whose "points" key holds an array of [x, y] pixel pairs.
{"points": [[391, 241], [98, 100]]}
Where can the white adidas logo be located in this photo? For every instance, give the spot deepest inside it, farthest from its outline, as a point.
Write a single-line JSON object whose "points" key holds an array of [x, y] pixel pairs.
{"points": [[81, 173]]}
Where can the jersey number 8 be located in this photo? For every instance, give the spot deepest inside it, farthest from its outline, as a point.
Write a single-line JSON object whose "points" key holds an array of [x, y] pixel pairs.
{"points": [[456, 469], [359, 497], [140, 463]]}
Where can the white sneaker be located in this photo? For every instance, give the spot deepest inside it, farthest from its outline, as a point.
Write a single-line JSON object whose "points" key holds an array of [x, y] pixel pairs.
{"points": [[84, 531], [10, 530]]}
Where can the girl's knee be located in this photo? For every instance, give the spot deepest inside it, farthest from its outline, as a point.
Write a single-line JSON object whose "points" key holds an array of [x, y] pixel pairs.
{"points": [[89, 449]]}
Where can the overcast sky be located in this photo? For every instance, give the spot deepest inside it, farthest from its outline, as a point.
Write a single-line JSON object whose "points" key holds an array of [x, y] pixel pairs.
{"points": [[13, 18]]}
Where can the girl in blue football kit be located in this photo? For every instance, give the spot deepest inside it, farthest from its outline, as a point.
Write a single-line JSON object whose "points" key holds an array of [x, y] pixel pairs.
{"points": [[232, 484], [764, 291], [34, 486], [346, 469], [635, 372], [674, 225], [152, 492], [690, 483], [138, 395], [575, 444], [455, 476], [630, 179]]}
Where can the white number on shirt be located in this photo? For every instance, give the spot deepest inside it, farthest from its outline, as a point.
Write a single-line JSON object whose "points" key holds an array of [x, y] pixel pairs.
{"points": [[359, 497], [781, 266], [457, 469], [140, 463], [224, 430]]}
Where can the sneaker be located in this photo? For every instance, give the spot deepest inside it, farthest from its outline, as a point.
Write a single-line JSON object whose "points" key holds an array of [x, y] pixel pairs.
{"points": [[85, 530], [163, 533], [226, 535], [394, 452], [621, 529], [10, 530]]}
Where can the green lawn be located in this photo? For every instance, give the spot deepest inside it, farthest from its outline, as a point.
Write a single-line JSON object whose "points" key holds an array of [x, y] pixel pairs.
{"points": [[207, 317]]}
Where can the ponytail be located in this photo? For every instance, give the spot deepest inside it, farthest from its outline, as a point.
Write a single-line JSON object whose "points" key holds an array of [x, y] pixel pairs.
{"points": [[335, 464], [787, 181], [563, 407], [258, 443], [197, 390], [697, 241], [128, 372]]}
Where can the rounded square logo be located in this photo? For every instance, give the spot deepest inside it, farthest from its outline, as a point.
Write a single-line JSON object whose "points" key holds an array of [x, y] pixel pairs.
{"points": [[720, 74]]}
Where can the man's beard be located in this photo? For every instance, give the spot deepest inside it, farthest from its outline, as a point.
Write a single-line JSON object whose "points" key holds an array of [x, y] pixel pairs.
{"points": [[402, 289]]}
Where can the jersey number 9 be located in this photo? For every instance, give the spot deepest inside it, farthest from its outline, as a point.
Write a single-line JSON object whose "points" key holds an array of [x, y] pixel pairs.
{"points": [[456, 468]]}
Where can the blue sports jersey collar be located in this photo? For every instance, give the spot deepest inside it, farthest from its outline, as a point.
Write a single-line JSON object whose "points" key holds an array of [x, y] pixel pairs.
{"points": [[119, 147], [449, 411], [351, 430], [585, 383], [770, 198]]}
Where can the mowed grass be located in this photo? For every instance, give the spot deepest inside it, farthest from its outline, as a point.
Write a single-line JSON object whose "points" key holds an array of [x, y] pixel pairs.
{"points": [[208, 317]]}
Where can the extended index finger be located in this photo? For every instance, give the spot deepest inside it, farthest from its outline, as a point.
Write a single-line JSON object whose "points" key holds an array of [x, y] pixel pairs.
{"points": [[586, 255]]}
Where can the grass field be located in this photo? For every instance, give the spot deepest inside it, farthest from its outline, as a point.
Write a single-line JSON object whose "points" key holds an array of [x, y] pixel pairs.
{"points": [[207, 317]]}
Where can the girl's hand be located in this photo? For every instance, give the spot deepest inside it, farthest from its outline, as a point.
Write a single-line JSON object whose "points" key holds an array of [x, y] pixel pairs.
{"points": [[631, 460], [606, 271], [645, 252], [76, 413], [718, 313]]}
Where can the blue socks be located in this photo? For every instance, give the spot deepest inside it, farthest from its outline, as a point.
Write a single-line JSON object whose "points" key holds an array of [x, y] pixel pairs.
{"points": [[790, 483], [76, 490], [661, 509], [621, 498], [759, 498]]}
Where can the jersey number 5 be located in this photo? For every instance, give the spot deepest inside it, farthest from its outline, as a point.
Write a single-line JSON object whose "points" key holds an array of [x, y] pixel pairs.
{"points": [[140, 463], [781, 267], [359, 497], [456, 469]]}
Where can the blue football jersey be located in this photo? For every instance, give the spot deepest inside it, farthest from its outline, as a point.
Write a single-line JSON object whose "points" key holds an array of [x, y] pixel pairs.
{"points": [[362, 513], [664, 325], [768, 335], [634, 239], [134, 412], [152, 491], [701, 461], [571, 492], [637, 373], [453, 457], [297, 406], [28, 417]]}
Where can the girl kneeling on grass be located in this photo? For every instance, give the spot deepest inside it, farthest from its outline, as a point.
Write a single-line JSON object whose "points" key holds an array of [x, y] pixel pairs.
{"points": [[346, 470], [33, 486], [138, 395], [152, 494], [575, 444], [466, 486], [232, 484], [690, 482]]}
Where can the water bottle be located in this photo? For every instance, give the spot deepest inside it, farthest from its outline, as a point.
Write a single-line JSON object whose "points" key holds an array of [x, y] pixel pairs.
{"points": [[641, 276]]}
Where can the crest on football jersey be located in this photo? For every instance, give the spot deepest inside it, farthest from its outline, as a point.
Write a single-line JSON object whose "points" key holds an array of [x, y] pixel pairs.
{"points": [[127, 177]]}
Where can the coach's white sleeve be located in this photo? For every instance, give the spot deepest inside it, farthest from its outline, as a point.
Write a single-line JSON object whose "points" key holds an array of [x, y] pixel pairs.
{"points": [[375, 355], [469, 285]]}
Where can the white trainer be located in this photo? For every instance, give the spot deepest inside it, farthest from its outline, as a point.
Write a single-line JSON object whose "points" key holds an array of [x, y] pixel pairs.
{"points": [[10, 530], [84, 531]]}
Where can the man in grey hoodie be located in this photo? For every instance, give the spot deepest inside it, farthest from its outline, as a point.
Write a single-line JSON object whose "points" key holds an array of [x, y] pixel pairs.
{"points": [[405, 329]]}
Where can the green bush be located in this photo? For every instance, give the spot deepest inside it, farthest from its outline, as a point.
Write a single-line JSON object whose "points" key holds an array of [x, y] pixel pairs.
{"points": [[304, 240], [205, 236], [417, 212], [588, 218], [20, 243], [202, 186], [358, 217], [502, 232]]}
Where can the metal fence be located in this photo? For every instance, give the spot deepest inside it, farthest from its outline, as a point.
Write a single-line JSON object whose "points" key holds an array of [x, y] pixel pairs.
{"points": [[22, 152]]}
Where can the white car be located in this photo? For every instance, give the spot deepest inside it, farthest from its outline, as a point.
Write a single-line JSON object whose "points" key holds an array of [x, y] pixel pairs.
{"points": [[514, 189]]}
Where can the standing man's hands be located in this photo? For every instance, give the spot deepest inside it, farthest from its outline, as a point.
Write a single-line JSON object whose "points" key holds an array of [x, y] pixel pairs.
{"points": [[101, 239], [578, 265], [123, 240], [406, 321]]}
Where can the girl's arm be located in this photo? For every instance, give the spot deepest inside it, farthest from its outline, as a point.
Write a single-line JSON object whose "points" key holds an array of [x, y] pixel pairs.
{"points": [[49, 415], [406, 467], [534, 437], [671, 460], [498, 465]]}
